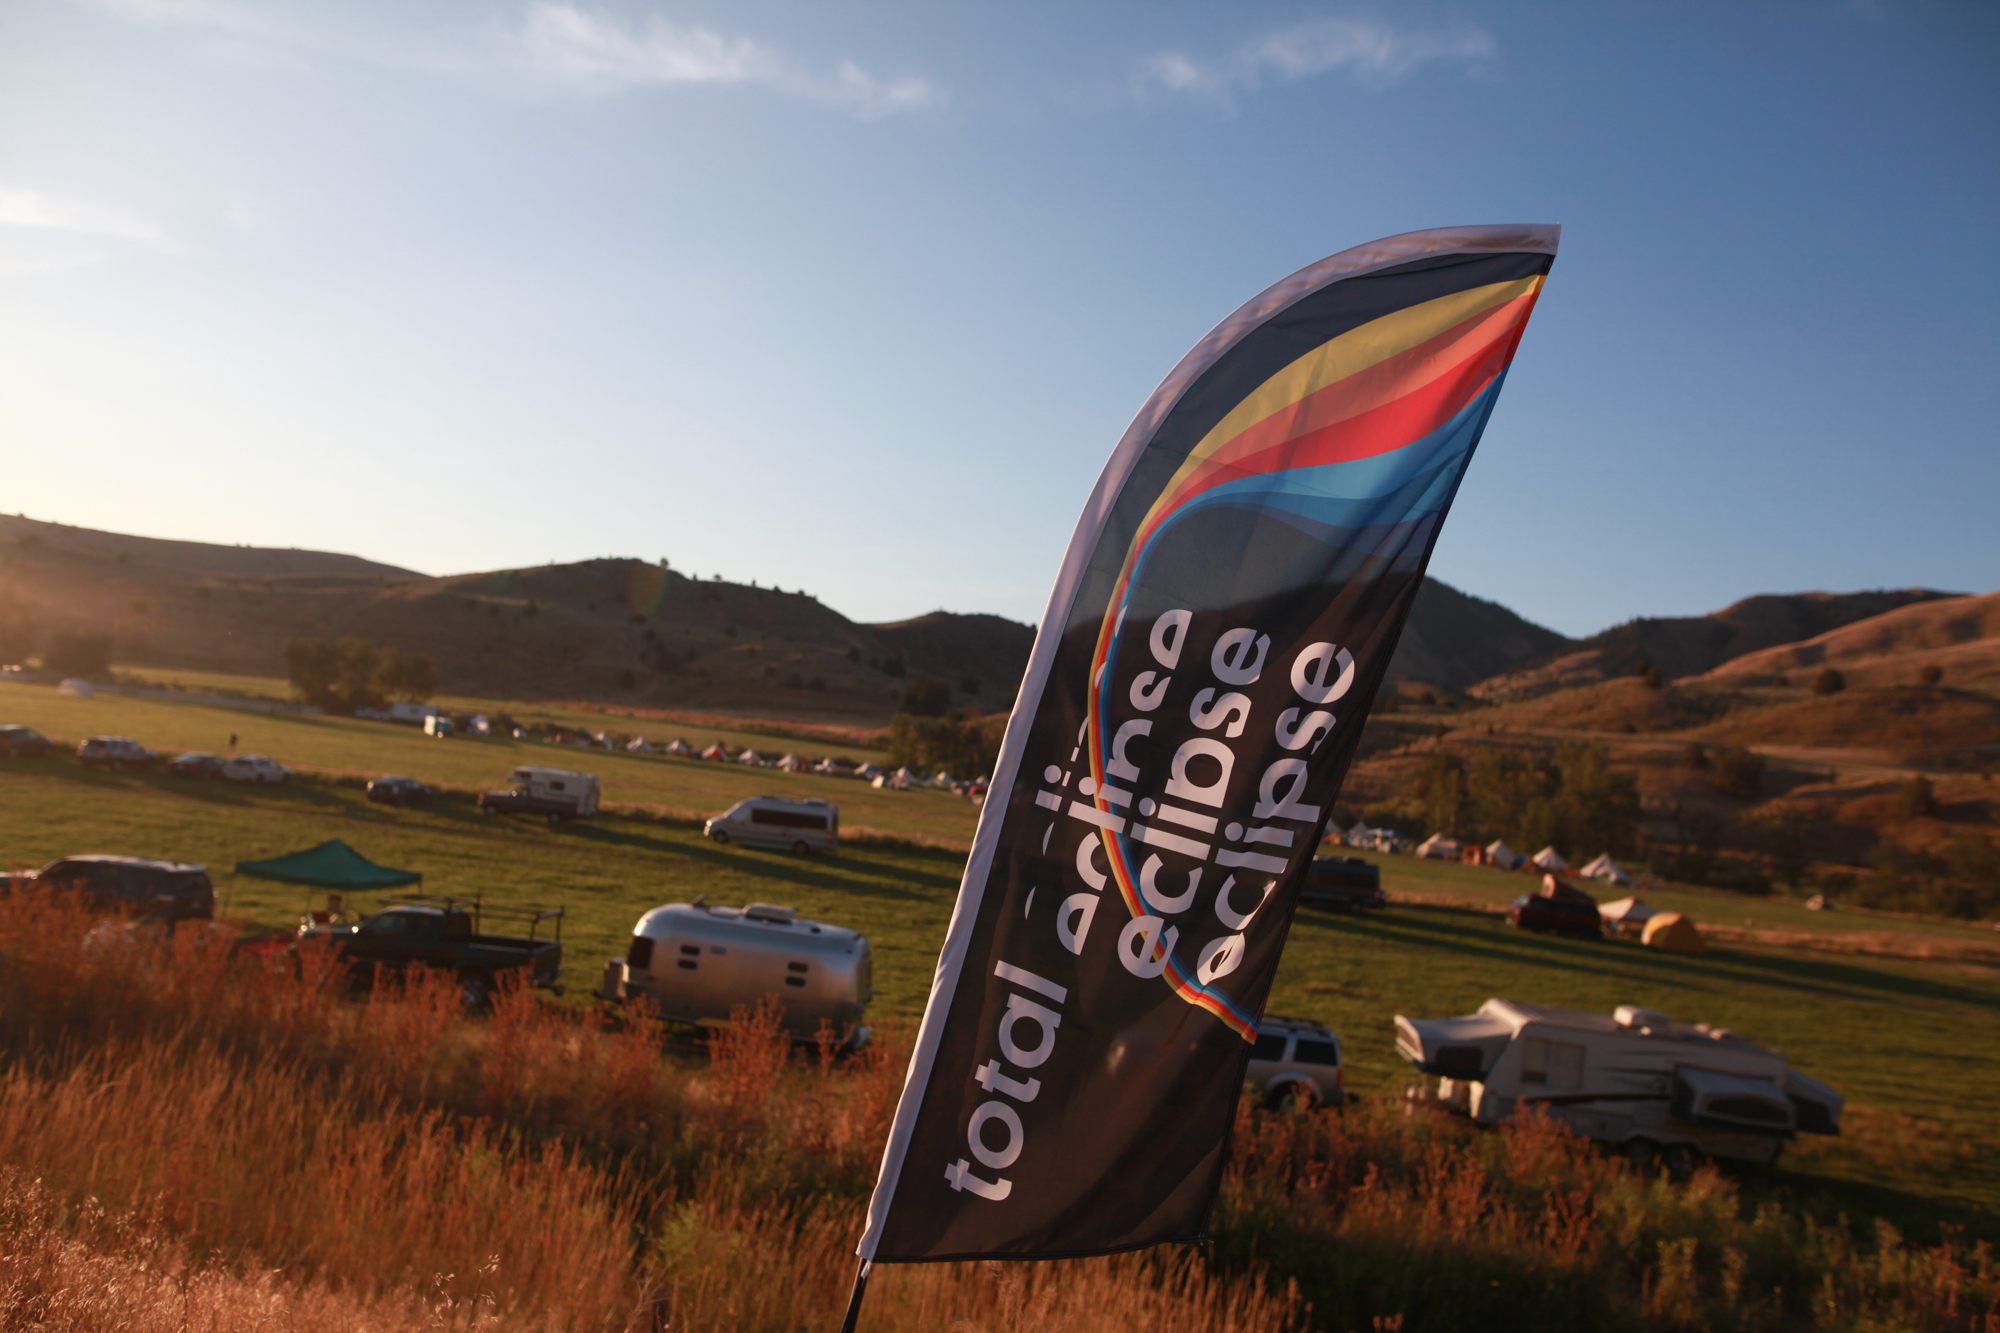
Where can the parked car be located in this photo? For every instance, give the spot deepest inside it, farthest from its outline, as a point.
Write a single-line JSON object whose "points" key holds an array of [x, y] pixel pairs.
{"points": [[697, 961], [1557, 908], [448, 934], [196, 765], [255, 768], [553, 793], [1634, 1080], [398, 791], [1296, 1064], [779, 824], [17, 742], [1344, 884], [114, 752], [168, 890]]}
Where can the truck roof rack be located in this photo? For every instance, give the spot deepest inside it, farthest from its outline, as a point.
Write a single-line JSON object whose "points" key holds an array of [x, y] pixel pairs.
{"points": [[530, 918]]}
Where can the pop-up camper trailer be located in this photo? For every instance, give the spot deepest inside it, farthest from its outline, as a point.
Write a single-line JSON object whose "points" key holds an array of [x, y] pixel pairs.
{"points": [[1633, 1079]]}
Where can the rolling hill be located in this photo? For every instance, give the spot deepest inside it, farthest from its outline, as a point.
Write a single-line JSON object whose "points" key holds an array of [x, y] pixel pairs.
{"points": [[1959, 636], [608, 630], [1682, 646]]}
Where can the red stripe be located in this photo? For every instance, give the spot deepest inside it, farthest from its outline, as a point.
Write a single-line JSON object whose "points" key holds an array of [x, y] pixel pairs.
{"points": [[1382, 428]]}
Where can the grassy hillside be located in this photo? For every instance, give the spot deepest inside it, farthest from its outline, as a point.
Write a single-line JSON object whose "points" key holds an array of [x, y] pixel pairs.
{"points": [[1958, 637], [1681, 646]]}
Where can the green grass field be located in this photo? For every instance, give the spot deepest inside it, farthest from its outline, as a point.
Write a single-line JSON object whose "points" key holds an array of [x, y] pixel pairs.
{"points": [[772, 739], [346, 746], [1909, 1043]]}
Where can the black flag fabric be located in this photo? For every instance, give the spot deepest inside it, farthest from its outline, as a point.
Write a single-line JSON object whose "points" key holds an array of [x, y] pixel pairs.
{"points": [[1220, 625]]}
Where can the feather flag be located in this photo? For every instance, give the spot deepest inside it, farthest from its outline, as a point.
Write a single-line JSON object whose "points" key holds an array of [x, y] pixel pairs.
{"points": [[1219, 627]]}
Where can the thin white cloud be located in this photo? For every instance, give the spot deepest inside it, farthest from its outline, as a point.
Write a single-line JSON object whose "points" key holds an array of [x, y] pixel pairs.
{"points": [[1369, 51], [552, 47], [81, 217], [567, 48]]}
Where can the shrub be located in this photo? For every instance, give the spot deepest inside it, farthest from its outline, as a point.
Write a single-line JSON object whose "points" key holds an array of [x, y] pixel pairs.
{"points": [[1828, 681]]}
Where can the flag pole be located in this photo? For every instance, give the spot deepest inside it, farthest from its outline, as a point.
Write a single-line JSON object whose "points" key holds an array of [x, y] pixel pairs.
{"points": [[854, 1299]]}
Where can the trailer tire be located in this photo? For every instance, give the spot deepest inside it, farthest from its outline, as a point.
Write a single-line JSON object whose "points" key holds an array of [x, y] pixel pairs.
{"points": [[475, 993], [1681, 1160], [1642, 1154], [720, 838], [800, 849]]}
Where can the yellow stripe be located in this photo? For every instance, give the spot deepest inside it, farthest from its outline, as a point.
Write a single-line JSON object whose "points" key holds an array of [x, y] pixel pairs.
{"points": [[1351, 352]]}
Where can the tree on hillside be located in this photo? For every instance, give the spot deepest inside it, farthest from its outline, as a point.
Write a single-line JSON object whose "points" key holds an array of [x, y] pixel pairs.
{"points": [[1829, 681], [1931, 674], [1737, 772], [1917, 799], [1446, 803], [965, 745], [337, 676], [926, 696], [404, 675]]}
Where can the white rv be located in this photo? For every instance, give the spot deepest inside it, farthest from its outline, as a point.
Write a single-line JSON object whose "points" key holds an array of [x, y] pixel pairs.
{"points": [[402, 710], [778, 824], [555, 793], [696, 962], [1633, 1079]]}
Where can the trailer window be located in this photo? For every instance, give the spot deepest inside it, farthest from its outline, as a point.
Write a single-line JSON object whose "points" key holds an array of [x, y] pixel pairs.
{"points": [[640, 955], [1534, 1060]]}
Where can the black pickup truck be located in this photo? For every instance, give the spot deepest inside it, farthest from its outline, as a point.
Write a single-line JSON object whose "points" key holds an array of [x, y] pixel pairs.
{"points": [[446, 934], [1344, 884]]}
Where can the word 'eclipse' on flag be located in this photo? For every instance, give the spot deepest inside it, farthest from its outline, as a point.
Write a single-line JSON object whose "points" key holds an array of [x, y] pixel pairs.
{"points": [[1222, 621]]}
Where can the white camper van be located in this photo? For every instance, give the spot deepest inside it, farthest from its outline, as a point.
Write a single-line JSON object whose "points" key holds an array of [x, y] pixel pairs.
{"points": [[778, 824], [555, 793], [695, 962], [1634, 1079]]}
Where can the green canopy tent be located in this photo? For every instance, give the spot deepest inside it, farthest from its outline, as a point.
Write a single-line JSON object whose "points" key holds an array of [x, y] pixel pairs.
{"points": [[331, 865]]}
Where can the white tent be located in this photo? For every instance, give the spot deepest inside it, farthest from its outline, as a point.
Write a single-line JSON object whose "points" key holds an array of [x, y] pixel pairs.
{"points": [[1606, 869], [79, 688], [714, 752], [1627, 917], [1501, 855], [752, 758], [868, 772], [1437, 847], [791, 763], [481, 725], [1550, 860], [639, 745], [677, 746]]}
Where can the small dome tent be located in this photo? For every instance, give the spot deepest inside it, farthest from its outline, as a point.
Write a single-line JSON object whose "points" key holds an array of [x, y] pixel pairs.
{"points": [[1674, 933]]}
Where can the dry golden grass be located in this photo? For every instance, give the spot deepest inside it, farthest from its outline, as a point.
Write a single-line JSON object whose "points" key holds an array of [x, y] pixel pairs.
{"points": [[191, 1138]]}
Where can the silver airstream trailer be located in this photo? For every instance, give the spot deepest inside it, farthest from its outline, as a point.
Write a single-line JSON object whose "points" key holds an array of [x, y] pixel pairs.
{"points": [[697, 961]]}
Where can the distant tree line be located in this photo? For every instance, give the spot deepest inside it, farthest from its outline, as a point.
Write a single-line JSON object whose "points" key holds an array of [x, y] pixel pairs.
{"points": [[342, 675], [1573, 799]]}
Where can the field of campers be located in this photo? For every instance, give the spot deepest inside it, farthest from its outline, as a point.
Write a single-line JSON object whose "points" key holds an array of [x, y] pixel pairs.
{"points": [[699, 1038]]}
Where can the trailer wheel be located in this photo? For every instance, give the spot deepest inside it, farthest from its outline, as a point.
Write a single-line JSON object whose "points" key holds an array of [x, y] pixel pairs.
{"points": [[800, 849], [1681, 1159], [555, 821], [721, 838], [1642, 1154], [475, 993]]}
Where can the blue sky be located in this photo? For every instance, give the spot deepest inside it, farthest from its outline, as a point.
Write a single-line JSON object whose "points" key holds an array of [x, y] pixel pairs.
{"points": [[858, 299]]}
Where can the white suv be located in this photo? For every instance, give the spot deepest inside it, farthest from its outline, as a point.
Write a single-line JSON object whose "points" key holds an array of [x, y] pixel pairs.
{"points": [[255, 768], [1296, 1063]]}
